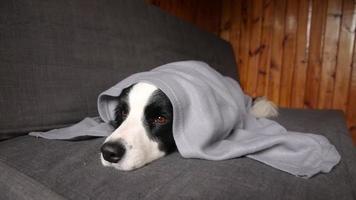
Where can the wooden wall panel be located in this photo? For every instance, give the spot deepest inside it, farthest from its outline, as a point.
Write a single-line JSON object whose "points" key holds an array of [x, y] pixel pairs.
{"points": [[302, 54], [244, 44], [255, 46], [307, 54], [299, 54], [231, 12], [235, 27], [289, 52], [345, 51], [319, 8], [204, 13], [276, 52], [266, 41], [226, 18], [328, 65]]}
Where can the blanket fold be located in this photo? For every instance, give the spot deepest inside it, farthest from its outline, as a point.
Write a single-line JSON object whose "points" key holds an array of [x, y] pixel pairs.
{"points": [[212, 121], [87, 128]]}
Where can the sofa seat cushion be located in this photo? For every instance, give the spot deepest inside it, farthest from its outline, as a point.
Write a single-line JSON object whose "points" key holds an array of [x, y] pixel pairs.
{"points": [[72, 170]]}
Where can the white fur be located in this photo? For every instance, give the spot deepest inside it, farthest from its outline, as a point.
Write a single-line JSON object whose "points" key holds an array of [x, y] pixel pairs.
{"points": [[140, 149], [262, 107]]}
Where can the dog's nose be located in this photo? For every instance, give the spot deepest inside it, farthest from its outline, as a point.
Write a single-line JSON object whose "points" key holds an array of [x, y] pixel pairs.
{"points": [[112, 151]]}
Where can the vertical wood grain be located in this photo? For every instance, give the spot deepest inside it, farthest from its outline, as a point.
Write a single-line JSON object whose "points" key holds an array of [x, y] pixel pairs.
{"points": [[289, 50], [255, 47], [206, 14], [328, 65], [277, 51], [266, 41], [226, 19], [234, 27], [345, 50], [302, 53], [315, 54], [244, 45]]}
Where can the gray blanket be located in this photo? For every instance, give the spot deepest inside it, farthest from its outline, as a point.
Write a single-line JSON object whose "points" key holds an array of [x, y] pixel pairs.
{"points": [[212, 121]]}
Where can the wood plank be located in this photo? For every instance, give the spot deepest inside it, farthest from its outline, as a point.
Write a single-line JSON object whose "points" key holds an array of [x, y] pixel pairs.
{"points": [[203, 13], [277, 51], [302, 51], [255, 46], [289, 50], [345, 51], [319, 8], [328, 67], [266, 41], [226, 20], [244, 42], [235, 31], [208, 15]]}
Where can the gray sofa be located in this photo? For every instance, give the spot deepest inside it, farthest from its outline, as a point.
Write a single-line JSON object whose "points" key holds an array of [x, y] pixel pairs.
{"points": [[57, 56]]}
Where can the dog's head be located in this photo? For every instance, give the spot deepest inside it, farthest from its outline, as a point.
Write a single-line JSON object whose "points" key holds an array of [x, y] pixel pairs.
{"points": [[143, 122]]}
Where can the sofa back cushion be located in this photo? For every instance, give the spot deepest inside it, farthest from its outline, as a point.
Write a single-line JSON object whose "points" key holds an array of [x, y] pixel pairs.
{"points": [[57, 56]]}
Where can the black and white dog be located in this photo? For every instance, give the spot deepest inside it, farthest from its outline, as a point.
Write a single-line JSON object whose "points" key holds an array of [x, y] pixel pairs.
{"points": [[143, 123]]}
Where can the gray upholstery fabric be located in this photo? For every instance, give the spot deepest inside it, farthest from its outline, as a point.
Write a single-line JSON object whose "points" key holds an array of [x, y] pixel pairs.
{"points": [[56, 56], [20, 186], [72, 170]]}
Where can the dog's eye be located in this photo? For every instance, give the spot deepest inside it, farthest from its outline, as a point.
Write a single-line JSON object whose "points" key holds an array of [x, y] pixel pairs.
{"points": [[160, 120], [124, 113]]}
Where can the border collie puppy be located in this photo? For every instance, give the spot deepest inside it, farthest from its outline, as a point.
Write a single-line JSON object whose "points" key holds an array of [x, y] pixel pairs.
{"points": [[144, 117]]}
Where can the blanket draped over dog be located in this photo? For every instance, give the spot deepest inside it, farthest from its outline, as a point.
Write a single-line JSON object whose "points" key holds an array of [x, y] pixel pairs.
{"points": [[212, 121]]}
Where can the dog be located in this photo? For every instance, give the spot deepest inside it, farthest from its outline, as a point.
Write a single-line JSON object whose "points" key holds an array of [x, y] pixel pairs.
{"points": [[143, 127]]}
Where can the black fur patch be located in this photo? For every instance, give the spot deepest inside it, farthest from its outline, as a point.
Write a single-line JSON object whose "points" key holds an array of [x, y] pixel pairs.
{"points": [[160, 105], [123, 106]]}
